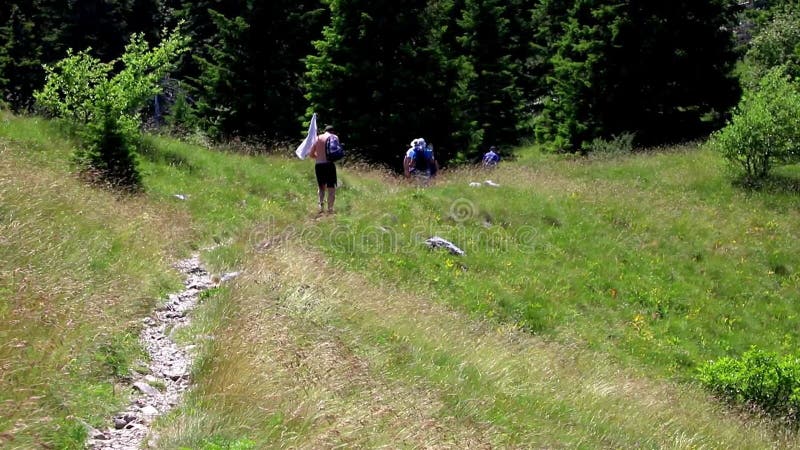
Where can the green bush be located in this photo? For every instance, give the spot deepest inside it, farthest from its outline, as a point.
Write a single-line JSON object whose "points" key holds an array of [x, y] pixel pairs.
{"points": [[778, 44], [110, 143], [104, 107], [620, 144], [759, 378], [763, 131]]}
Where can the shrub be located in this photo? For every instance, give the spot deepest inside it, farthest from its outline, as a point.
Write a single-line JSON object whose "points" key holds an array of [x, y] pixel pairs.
{"points": [[758, 378], [104, 107], [620, 144], [763, 131], [777, 44], [110, 143]]}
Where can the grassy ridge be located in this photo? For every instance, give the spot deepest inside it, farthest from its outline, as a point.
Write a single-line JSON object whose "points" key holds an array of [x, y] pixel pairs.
{"points": [[312, 357], [588, 289], [79, 268], [616, 264], [655, 259]]}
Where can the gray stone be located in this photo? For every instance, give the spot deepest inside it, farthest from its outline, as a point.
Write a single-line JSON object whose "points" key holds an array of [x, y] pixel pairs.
{"points": [[228, 276], [165, 358], [175, 375], [437, 242], [146, 389], [149, 410]]}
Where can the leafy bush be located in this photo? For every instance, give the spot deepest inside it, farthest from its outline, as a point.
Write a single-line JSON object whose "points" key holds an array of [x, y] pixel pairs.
{"points": [[759, 378], [763, 131], [617, 145], [110, 143], [777, 44], [104, 107], [181, 116]]}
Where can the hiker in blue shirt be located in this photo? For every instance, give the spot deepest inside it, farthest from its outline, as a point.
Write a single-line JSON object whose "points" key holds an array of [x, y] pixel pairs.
{"points": [[419, 160], [491, 158]]}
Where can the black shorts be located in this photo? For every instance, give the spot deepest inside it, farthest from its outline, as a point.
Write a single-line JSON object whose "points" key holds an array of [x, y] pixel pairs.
{"points": [[326, 174]]}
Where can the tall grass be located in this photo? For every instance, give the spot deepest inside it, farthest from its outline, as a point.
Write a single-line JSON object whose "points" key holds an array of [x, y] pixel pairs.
{"points": [[314, 357], [79, 268], [590, 291], [655, 259]]}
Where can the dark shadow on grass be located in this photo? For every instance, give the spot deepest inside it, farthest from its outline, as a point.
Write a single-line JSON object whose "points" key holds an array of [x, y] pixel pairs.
{"points": [[774, 184], [166, 157]]}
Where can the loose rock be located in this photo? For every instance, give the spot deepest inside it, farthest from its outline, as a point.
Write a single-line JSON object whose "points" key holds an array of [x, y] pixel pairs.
{"points": [[437, 242], [169, 365]]}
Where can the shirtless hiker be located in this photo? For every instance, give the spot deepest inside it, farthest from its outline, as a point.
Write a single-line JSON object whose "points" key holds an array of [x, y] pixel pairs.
{"points": [[324, 169]]}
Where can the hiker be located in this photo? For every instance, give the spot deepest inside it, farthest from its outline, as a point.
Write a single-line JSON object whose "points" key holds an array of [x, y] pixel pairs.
{"points": [[325, 169], [420, 160], [491, 158]]}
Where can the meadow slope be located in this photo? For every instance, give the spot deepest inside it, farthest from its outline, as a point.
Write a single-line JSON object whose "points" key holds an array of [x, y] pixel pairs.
{"points": [[590, 292]]}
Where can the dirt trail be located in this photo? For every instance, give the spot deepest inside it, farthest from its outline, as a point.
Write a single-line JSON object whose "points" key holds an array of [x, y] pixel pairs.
{"points": [[168, 379]]}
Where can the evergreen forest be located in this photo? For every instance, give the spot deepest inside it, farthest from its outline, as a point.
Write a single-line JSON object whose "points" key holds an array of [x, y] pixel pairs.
{"points": [[466, 74]]}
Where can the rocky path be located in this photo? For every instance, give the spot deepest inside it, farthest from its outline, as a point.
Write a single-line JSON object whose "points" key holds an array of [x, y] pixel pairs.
{"points": [[160, 390]]}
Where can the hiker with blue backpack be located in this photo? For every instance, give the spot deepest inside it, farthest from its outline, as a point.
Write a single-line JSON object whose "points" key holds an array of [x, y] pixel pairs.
{"points": [[420, 160], [326, 150], [491, 158]]}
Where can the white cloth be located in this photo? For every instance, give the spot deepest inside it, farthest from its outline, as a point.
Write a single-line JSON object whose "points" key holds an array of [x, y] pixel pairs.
{"points": [[305, 148]]}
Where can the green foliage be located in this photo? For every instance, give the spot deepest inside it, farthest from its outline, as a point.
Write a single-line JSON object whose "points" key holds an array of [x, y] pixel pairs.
{"points": [[247, 69], [110, 144], [181, 116], [33, 33], [580, 79], [617, 145], [20, 55], [117, 354], [73, 87], [636, 66], [381, 75], [218, 77], [104, 105], [759, 377], [763, 131], [69, 434], [778, 44], [494, 42]]}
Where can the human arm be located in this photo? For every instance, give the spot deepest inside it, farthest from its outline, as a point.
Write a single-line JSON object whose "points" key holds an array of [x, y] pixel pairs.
{"points": [[314, 149]]}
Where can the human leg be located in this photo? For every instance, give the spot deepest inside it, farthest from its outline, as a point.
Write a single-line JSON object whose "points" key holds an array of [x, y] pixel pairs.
{"points": [[332, 181], [321, 193], [331, 198]]}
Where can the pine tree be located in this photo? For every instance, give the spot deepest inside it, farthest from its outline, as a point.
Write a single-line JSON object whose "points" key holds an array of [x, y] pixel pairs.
{"points": [[580, 78], [20, 57], [495, 41], [676, 70], [37, 32], [380, 75], [636, 66], [250, 80], [217, 81]]}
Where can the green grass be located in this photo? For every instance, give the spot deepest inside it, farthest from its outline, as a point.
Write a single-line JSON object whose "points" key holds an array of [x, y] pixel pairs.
{"points": [[79, 268], [591, 291], [655, 259]]}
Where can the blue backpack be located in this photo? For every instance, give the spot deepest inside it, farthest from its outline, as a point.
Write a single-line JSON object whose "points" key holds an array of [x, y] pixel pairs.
{"points": [[423, 157], [334, 150]]}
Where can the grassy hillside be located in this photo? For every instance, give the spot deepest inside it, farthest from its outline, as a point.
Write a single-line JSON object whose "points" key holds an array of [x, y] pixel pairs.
{"points": [[79, 268], [590, 292]]}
